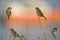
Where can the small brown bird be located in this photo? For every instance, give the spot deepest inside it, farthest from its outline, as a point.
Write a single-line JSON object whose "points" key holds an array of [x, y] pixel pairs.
{"points": [[39, 13], [14, 33], [8, 12], [54, 32]]}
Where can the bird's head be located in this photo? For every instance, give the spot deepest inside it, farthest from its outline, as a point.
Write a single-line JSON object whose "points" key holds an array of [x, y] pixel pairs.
{"points": [[9, 8], [12, 29], [37, 8], [55, 29]]}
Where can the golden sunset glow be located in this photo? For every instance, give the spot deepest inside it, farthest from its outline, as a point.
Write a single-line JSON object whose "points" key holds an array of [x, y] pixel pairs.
{"points": [[21, 14]]}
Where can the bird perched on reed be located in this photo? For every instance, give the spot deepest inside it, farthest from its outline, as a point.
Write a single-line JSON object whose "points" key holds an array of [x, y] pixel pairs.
{"points": [[40, 13], [8, 12], [14, 33], [54, 32]]}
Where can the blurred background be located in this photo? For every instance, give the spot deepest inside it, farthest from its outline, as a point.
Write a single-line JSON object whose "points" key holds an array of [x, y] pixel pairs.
{"points": [[23, 11]]}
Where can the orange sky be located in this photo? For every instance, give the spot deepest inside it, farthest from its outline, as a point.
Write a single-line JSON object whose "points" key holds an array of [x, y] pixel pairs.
{"points": [[31, 17], [56, 16]]}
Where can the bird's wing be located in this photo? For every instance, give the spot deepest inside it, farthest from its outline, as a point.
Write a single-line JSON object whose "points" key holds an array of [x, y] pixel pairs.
{"points": [[39, 12]]}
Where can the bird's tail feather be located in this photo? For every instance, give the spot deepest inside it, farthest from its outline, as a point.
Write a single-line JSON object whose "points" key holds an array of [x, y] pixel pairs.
{"points": [[8, 17], [45, 18]]}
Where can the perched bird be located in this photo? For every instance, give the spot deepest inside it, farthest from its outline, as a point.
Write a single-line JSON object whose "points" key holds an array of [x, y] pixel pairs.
{"points": [[54, 32], [8, 12], [14, 33], [39, 13]]}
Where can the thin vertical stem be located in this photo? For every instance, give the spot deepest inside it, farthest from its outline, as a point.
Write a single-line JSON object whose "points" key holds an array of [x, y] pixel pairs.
{"points": [[8, 29], [54, 38], [26, 30], [40, 29]]}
